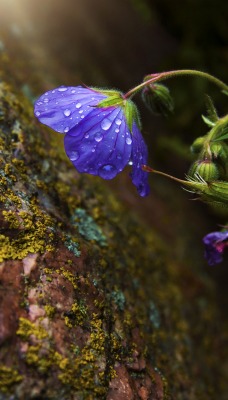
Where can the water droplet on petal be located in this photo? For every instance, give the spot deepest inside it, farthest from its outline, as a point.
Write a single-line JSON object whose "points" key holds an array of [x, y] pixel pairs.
{"points": [[37, 113], [46, 100], [39, 103], [98, 137], [73, 156], [105, 124], [107, 171], [118, 121], [81, 111], [83, 116], [128, 140], [130, 162], [87, 136], [66, 129], [62, 89], [73, 91], [93, 150], [46, 94], [78, 105], [117, 130], [53, 91], [67, 112]]}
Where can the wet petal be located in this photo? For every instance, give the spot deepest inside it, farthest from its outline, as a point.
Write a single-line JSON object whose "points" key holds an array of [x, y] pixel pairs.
{"points": [[139, 158], [99, 145], [66, 106], [215, 243]]}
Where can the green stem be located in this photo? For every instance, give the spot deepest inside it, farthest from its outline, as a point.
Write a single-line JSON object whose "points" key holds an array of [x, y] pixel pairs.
{"points": [[183, 182], [170, 74]]}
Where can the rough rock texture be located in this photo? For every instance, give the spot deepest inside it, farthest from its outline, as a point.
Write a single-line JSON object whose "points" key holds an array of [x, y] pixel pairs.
{"points": [[93, 304]]}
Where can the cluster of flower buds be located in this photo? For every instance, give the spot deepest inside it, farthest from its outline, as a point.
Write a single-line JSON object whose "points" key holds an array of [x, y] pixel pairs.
{"points": [[209, 172]]}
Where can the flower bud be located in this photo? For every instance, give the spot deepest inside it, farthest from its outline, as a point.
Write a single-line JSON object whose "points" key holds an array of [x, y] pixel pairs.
{"points": [[219, 189], [219, 150], [197, 145], [158, 100], [207, 169]]}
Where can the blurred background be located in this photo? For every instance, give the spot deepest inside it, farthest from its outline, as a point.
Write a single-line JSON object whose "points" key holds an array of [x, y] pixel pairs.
{"points": [[114, 44]]}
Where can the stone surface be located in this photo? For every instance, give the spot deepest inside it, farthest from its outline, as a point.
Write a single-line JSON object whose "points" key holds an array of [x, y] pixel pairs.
{"points": [[82, 317]]}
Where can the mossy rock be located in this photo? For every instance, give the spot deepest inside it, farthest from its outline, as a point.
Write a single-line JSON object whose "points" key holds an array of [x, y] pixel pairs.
{"points": [[93, 306]]}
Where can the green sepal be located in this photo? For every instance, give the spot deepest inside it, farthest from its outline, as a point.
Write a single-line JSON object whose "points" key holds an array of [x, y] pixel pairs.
{"points": [[219, 189], [211, 110], [208, 122], [114, 99], [215, 192], [223, 136], [131, 114]]}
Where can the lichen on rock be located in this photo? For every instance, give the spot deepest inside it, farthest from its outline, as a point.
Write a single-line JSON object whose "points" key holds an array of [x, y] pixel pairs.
{"points": [[92, 304]]}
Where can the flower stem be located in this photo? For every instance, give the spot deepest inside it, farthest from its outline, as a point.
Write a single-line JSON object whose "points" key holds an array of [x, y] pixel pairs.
{"points": [[170, 74], [183, 182]]}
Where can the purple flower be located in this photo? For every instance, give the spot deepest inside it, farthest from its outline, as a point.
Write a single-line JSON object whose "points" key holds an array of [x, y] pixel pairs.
{"points": [[101, 131], [215, 243]]}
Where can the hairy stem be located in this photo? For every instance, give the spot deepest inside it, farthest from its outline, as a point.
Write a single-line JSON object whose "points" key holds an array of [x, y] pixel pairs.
{"points": [[171, 74]]}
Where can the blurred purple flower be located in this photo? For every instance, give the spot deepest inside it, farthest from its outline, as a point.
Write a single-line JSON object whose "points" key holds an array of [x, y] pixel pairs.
{"points": [[215, 243], [101, 131]]}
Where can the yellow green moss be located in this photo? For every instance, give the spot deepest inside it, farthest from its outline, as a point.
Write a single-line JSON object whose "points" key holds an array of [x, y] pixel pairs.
{"points": [[8, 378], [80, 313], [9, 198], [28, 328], [69, 276], [98, 335], [34, 236], [68, 322], [49, 310], [11, 218]]}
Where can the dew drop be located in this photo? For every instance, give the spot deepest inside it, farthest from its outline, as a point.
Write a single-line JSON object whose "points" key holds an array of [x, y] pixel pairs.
{"points": [[46, 94], [87, 136], [98, 137], [53, 91], [67, 112], [73, 91], [105, 124], [78, 105], [130, 162], [74, 156], [118, 121], [46, 100], [37, 113], [107, 171], [128, 140], [117, 130], [62, 89], [81, 111], [83, 116], [66, 129], [93, 150], [39, 103]]}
